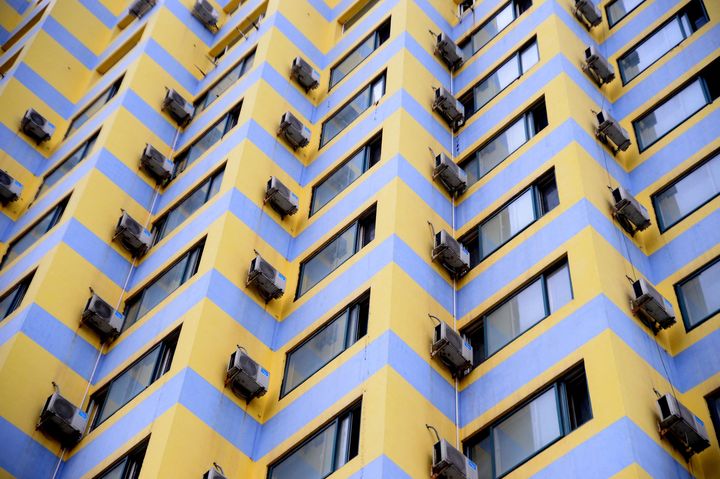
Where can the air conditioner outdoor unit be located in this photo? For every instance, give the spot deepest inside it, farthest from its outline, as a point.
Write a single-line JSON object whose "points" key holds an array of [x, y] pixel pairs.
{"points": [[102, 318], [449, 463], [10, 188], [36, 126], [684, 429], [588, 14], [62, 420], [296, 134], [448, 51], [141, 7], [453, 178], [303, 73], [630, 213], [451, 254], [245, 377], [156, 164], [133, 237], [452, 349], [215, 472], [598, 67], [177, 107], [452, 110], [265, 279], [610, 129], [206, 13], [280, 197], [654, 310]]}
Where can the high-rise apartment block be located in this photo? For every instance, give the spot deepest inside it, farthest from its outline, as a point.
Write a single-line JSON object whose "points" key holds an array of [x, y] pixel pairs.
{"points": [[309, 239]]}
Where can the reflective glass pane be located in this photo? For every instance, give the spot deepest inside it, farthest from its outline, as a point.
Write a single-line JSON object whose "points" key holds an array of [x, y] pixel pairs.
{"points": [[507, 223], [481, 454], [129, 384], [67, 165], [162, 287], [352, 60], [701, 295], [31, 236], [514, 317], [208, 139], [339, 180], [328, 259], [6, 304], [527, 431], [559, 289], [501, 147], [492, 28], [93, 108], [116, 472], [656, 45], [618, 9], [316, 352], [183, 210], [529, 57], [314, 460], [670, 114], [496, 82], [689, 193], [346, 115]]}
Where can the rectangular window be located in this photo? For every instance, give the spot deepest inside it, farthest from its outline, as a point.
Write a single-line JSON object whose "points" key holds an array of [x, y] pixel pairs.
{"points": [[11, 300], [339, 120], [493, 26], [187, 206], [94, 106], [242, 31], [533, 426], [134, 380], [511, 219], [207, 139], [688, 193], [128, 466], [683, 24], [349, 171], [29, 237], [324, 452], [326, 344], [502, 145], [487, 89], [163, 285], [225, 82], [521, 311], [56, 174], [341, 248], [713, 401], [679, 106], [699, 295], [355, 17], [360, 53], [619, 9]]}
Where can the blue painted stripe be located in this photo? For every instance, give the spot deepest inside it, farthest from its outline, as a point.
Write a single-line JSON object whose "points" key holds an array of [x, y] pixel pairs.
{"points": [[177, 70], [78, 49], [21, 455], [44, 90], [646, 19], [4, 34], [101, 12], [20, 6]]}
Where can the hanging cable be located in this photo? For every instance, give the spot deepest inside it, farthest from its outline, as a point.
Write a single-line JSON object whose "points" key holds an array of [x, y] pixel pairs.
{"points": [[454, 306]]}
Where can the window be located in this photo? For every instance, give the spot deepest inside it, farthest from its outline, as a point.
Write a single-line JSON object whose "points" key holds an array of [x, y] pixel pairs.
{"points": [[713, 401], [128, 466], [22, 31], [134, 380], [512, 137], [360, 53], [487, 89], [681, 105], [349, 171], [30, 236], [163, 286], [355, 17], [227, 80], [532, 427], [94, 107], [187, 206], [661, 41], [10, 301], [521, 311], [492, 27], [511, 219], [326, 344], [688, 193], [242, 31], [466, 5], [341, 248], [323, 453], [619, 9], [207, 139], [339, 120], [56, 174], [699, 295]]}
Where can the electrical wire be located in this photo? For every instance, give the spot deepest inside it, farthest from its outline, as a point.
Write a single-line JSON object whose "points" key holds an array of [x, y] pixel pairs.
{"points": [[454, 307]]}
